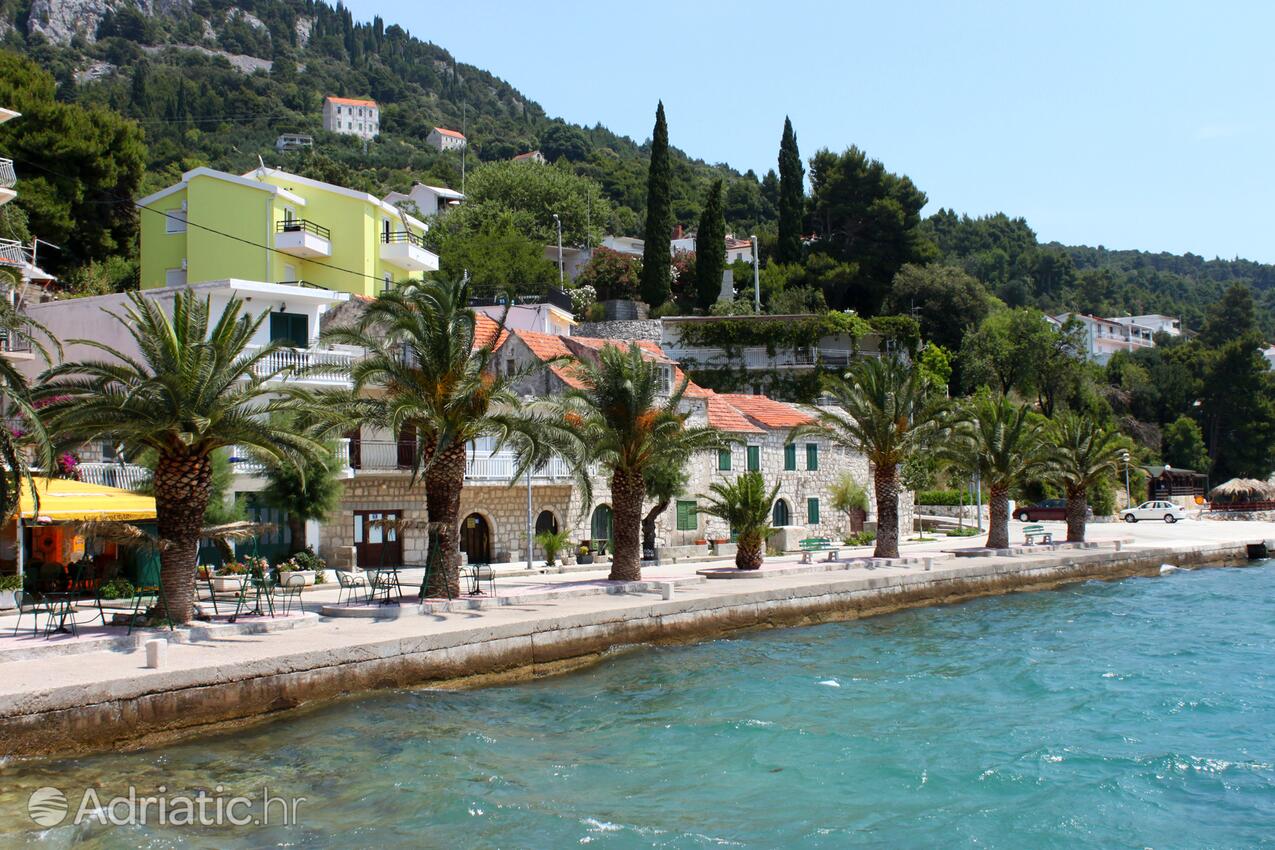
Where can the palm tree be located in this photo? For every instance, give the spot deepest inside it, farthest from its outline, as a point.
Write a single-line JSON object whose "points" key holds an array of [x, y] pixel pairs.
{"points": [[193, 387], [1084, 454], [665, 481], [886, 413], [745, 505], [427, 374], [623, 421], [1005, 443], [18, 439]]}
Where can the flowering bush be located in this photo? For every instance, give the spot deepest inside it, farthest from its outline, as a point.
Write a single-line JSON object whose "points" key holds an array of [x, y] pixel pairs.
{"points": [[582, 297], [68, 466], [611, 274], [306, 560]]}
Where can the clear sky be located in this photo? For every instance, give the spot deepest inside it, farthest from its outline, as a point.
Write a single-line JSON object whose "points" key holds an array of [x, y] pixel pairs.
{"points": [[1126, 124]]}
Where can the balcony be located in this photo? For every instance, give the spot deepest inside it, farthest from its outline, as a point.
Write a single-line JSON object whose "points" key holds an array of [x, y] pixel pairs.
{"points": [[302, 238], [371, 457], [406, 250], [8, 179], [126, 476], [13, 253], [325, 366]]}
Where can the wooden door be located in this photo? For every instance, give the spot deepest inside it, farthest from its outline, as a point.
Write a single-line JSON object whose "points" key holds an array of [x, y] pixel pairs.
{"points": [[374, 544], [475, 539]]}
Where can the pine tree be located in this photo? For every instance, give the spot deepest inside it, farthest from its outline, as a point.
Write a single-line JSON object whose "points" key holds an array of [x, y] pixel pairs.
{"points": [[657, 251], [792, 196], [710, 248]]}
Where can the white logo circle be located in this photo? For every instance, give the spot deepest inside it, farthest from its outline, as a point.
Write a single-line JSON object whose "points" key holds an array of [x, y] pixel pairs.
{"points": [[47, 806]]}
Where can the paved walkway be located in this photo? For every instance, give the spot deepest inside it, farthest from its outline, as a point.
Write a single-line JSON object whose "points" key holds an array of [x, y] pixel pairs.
{"points": [[38, 684]]}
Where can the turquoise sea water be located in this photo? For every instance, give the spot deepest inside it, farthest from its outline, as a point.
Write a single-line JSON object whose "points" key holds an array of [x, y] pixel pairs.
{"points": [[1138, 713]]}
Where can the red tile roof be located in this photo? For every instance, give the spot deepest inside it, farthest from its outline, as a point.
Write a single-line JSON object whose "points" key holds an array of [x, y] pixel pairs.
{"points": [[527, 155], [652, 349], [545, 347], [485, 331], [724, 417], [455, 134], [350, 101], [766, 411]]}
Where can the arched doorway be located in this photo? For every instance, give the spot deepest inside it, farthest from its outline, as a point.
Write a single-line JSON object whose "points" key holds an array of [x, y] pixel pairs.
{"points": [[546, 522], [781, 515], [475, 539], [600, 526]]}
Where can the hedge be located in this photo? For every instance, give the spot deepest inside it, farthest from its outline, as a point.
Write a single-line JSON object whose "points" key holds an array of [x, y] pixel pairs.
{"points": [[952, 498]]}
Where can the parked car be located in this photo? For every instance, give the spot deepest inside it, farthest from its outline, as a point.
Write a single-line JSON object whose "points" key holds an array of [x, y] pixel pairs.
{"points": [[1048, 509], [1166, 511]]}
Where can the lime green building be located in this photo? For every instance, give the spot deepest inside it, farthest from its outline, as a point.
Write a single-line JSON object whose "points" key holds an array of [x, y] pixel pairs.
{"points": [[274, 227]]}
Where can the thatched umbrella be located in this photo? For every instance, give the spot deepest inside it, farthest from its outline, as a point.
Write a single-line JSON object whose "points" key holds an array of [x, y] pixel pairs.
{"points": [[1243, 490]]}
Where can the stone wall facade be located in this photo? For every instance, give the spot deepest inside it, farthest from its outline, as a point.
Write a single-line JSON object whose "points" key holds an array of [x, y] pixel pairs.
{"points": [[622, 329]]}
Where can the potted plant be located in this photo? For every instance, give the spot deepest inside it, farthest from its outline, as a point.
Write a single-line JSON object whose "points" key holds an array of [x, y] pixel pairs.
{"points": [[9, 585], [229, 577], [584, 555], [552, 542], [304, 568]]}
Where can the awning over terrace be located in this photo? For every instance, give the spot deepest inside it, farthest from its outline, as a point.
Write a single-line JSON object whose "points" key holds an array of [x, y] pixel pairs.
{"points": [[63, 500]]}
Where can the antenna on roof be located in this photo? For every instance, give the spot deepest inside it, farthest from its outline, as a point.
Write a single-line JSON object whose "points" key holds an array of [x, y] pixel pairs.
{"points": [[261, 168]]}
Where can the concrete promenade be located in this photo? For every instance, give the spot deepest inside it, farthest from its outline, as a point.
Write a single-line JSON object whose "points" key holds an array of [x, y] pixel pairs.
{"points": [[69, 695]]}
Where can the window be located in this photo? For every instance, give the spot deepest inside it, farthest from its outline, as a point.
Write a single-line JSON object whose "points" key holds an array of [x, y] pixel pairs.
{"points": [[812, 456], [790, 457], [812, 511], [754, 458], [723, 460], [175, 221], [174, 277], [687, 517], [291, 329]]}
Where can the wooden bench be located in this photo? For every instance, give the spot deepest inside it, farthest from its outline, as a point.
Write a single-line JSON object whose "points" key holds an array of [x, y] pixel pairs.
{"points": [[818, 544], [1031, 532]]}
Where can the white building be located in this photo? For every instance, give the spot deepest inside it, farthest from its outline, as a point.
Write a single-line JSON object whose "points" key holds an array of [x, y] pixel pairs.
{"points": [[736, 249], [1104, 337], [429, 200], [531, 156], [543, 318], [1155, 322], [443, 139], [352, 117]]}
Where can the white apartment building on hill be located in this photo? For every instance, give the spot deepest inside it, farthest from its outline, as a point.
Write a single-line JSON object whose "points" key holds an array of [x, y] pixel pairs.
{"points": [[444, 139], [352, 117]]}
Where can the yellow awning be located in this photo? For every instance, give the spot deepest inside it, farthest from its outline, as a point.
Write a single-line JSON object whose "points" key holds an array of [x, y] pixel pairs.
{"points": [[63, 500]]}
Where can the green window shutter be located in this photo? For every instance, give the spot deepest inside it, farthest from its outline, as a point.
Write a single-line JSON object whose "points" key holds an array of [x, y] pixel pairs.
{"points": [[754, 458], [723, 460], [790, 457], [812, 511], [687, 519], [812, 456]]}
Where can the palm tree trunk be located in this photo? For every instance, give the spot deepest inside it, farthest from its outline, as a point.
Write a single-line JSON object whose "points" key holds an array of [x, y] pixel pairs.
{"points": [[182, 487], [443, 483], [648, 524], [886, 480], [998, 523], [627, 492], [1077, 511], [749, 552]]}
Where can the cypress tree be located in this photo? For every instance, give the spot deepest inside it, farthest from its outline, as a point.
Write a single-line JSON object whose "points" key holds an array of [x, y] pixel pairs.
{"points": [[710, 248], [792, 195], [656, 280]]}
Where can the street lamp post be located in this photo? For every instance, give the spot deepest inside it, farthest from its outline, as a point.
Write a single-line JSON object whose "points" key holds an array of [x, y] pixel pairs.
{"points": [[756, 278], [561, 274], [1128, 493]]}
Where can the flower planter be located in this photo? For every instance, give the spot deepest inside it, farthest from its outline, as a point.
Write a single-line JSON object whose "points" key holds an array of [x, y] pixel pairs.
{"points": [[227, 584], [7, 601], [584, 559], [297, 578]]}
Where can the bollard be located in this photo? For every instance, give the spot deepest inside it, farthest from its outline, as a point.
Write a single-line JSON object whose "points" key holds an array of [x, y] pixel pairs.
{"points": [[156, 653], [1118, 545], [929, 564], [666, 589]]}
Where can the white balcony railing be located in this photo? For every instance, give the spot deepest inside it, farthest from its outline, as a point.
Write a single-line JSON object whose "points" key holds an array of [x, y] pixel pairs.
{"points": [[373, 456], [310, 365], [8, 177], [12, 253], [126, 476]]}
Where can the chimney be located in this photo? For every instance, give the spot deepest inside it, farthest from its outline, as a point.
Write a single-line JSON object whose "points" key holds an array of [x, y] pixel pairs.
{"points": [[677, 231]]}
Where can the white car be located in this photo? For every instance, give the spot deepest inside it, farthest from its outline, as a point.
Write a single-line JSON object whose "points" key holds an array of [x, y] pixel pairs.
{"points": [[1166, 511]]}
